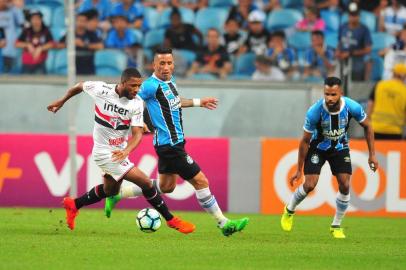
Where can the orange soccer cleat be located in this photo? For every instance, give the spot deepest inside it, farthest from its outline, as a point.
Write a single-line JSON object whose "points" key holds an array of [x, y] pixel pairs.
{"points": [[71, 211], [181, 225]]}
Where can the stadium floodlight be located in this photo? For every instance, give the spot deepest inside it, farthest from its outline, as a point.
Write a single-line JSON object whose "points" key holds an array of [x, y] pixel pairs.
{"points": [[70, 19]]}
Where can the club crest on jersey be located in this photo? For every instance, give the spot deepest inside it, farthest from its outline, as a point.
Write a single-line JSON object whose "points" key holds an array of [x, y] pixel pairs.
{"points": [[347, 159], [115, 122], [315, 159], [189, 159]]}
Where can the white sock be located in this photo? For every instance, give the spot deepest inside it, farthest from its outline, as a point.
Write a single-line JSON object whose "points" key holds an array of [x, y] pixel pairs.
{"points": [[297, 197], [342, 203], [130, 191], [135, 191], [209, 203]]}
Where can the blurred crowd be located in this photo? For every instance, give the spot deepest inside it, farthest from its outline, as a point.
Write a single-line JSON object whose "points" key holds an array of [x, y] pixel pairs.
{"points": [[274, 40]]}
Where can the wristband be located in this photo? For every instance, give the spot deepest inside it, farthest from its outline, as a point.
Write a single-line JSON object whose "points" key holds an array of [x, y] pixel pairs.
{"points": [[196, 102]]}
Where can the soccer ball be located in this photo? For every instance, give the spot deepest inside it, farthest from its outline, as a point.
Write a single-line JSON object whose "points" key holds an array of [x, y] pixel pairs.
{"points": [[148, 220]]}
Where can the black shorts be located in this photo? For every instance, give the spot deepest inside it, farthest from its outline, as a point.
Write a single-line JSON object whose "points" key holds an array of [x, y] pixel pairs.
{"points": [[175, 160], [340, 161]]}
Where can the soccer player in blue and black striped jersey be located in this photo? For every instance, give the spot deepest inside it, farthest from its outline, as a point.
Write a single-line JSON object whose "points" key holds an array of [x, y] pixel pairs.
{"points": [[325, 139], [165, 109]]}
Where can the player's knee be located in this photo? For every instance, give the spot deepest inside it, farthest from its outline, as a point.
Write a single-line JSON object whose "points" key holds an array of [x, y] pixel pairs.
{"points": [[308, 187], [168, 188], [344, 188]]}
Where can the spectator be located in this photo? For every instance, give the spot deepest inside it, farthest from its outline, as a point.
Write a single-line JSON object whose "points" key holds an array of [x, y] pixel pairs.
{"points": [[133, 11], [190, 4], [241, 11], [233, 38], [401, 40], [86, 43], [121, 37], [265, 71], [258, 36], [35, 41], [355, 43], [282, 56], [213, 59], [93, 22], [11, 19], [180, 35], [319, 60], [392, 18], [387, 106], [311, 21]]}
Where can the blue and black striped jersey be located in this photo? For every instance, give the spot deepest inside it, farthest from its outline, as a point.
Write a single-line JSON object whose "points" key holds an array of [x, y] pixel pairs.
{"points": [[330, 129], [164, 107]]}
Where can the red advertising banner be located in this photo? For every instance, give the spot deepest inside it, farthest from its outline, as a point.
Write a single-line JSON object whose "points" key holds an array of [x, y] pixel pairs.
{"points": [[34, 170], [382, 193]]}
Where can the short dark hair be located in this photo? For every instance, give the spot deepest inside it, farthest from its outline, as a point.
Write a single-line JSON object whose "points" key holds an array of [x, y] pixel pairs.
{"points": [[163, 50], [91, 14], [318, 33], [280, 34], [331, 81], [175, 11], [129, 73]]}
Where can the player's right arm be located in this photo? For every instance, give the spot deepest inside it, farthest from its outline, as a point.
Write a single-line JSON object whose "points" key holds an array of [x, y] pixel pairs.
{"points": [[310, 126], [73, 91], [303, 149]]}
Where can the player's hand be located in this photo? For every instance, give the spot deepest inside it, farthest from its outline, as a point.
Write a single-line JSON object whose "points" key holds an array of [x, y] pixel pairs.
{"points": [[119, 155], [294, 178], [373, 163], [209, 103], [55, 106]]}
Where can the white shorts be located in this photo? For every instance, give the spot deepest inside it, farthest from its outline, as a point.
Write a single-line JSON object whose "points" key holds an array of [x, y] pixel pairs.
{"points": [[115, 169]]}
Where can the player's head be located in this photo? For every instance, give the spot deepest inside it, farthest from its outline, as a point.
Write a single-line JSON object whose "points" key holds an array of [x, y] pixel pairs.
{"points": [[332, 93], [131, 81], [163, 63]]}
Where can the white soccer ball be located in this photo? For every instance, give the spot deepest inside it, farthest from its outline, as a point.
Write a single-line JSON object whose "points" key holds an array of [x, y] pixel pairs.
{"points": [[148, 220]]}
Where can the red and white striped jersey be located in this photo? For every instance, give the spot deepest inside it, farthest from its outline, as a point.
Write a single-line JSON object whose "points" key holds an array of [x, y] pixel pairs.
{"points": [[113, 116]]}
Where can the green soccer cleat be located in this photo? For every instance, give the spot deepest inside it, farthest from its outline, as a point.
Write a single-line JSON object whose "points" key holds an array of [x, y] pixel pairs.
{"points": [[233, 226], [287, 220], [110, 204], [337, 232]]}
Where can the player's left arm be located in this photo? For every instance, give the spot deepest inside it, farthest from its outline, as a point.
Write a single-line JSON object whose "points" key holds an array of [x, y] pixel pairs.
{"points": [[120, 155], [369, 136], [360, 116], [206, 102]]}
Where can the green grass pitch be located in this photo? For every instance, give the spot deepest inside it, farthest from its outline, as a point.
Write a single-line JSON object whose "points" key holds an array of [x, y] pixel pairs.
{"points": [[39, 239]]}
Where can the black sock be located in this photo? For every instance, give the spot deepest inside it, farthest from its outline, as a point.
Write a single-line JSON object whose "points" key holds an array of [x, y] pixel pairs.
{"points": [[153, 197], [95, 195]]}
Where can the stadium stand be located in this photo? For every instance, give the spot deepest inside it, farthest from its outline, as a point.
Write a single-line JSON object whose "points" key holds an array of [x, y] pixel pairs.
{"points": [[110, 62], [282, 19], [211, 17]]}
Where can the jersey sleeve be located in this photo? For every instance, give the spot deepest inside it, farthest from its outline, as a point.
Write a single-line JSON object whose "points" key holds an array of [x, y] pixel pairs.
{"points": [[147, 90], [311, 119], [356, 110], [137, 119], [93, 88]]}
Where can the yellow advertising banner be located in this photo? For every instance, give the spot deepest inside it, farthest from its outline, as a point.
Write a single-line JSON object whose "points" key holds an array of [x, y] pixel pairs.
{"points": [[382, 193]]}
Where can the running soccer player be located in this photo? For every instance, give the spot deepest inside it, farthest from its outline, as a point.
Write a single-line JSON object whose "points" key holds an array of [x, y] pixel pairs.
{"points": [[165, 108], [325, 138], [118, 110]]}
